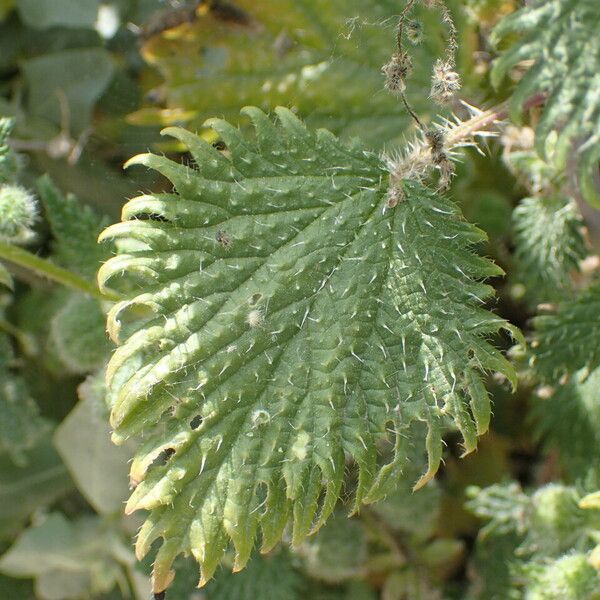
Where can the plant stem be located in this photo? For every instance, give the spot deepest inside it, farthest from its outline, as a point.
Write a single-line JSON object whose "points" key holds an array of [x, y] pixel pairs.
{"points": [[45, 268], [420, 153]]}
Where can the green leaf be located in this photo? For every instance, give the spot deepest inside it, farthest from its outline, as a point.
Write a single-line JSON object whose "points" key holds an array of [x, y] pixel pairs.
{"points": [[78, 77], [549, 244], [37, 484], [572, 577], [75, 228], [560, 36], [18, 589], [21, 426], [8, 159], [265, 577], [69, 560], [569, 421], [337, 552], [78, 334], [503, 504], [83, 440], [570, 339], [290, 321], [42, 14], [323, 57], [6, 278]]}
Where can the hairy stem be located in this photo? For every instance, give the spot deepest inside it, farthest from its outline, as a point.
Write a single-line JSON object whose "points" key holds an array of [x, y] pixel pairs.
{"points": [[401, 21], [420, 153], [45, 268]]}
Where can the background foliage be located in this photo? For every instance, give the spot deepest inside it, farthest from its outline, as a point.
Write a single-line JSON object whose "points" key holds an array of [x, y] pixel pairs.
{"points": [[88, 84]]}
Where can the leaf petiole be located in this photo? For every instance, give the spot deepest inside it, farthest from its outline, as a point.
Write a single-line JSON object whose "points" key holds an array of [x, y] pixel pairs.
{"points": [[45, 268]]}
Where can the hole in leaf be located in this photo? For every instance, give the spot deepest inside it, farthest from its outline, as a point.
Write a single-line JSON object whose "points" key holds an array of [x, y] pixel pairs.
{"points": [[254, 299], [163, 457], [151, 217], [196, 422]]}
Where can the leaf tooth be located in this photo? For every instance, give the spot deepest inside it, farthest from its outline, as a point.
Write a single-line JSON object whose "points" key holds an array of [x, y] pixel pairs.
{"points": [[479, 401], [153, 448], [211, 163], [183, 178], [366, 457], [208, 540], [433, 444], [121, 312], [131, 356], [294, 127], [463, 420], [158, 489], [306, 505], [333, 487], [267, 135], [147, 535], [162, 574], [142, 231], [240, 519], [276, 515]]}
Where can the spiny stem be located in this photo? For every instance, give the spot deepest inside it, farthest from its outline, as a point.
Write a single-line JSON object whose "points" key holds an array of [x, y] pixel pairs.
{"points": [[45, 268], [421, 152]]}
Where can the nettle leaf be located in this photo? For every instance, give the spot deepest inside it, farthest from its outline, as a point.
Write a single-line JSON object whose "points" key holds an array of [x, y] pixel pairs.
{"points": [[323, 57], [78, 334], [272, 576], [560, 36], [569, 340], [290, 322], [74, 227], [569, 422], [549, 244], [21, 425]]}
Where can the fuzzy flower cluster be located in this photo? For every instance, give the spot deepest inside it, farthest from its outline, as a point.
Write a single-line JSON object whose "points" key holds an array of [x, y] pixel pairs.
{"points": [[396, 71], [18, 213], [445, 82]]}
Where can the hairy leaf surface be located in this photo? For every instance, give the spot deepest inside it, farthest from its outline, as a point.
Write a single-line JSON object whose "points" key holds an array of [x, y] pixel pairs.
{"points": [[569, 422], [570, 339], [561, 37], [549, 244], [21, 425], [287, 321]]}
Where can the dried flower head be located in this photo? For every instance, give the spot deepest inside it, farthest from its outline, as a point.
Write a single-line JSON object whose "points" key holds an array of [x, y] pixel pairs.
{"points": [[445, 82], [435, 139], [396, 71], [414, 31]]}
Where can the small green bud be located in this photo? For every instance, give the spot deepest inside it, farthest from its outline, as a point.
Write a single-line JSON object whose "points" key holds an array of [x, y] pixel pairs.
{"points": [[18, 213], [571, 577]]}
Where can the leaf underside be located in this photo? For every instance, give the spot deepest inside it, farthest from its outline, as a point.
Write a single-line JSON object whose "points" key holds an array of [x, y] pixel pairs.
{"points": [[561, 36], [287, 322]]}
